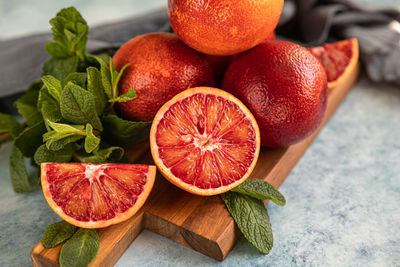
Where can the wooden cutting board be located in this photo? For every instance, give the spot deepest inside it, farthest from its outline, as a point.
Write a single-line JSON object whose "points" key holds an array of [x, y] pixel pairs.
{"points": [[201, 223]]}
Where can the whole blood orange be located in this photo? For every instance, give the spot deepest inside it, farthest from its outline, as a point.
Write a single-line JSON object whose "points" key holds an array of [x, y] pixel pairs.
{"points": [[219, 64], [224, 27], [96, 195], [205, 141], [160, 66], [339, 59], [284, 86]]}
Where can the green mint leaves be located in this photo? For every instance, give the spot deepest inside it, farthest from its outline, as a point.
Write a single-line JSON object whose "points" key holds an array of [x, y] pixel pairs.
{"points": [[110, 78], [95, 87], [27, 104], [78, 106], [69, 34], [69, 114], [18, 173], [56, 233], [245, 205], [92, 142], [81, 245], [131, 94], [80, 249], [252, 219], [261, 190], [9, 125], [123, 131]]}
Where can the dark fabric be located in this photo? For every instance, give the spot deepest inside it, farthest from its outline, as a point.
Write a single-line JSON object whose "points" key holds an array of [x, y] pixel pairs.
{"points": [[314, 22], [21, 59], [310, 22]]}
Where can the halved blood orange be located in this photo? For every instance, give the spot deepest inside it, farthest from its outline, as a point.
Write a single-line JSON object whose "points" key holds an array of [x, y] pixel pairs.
{"points": [[205, 141], [96, 195], [339, 59]]}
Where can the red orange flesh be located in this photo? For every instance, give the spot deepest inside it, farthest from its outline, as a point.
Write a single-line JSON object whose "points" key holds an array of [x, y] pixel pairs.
{"points": [[96, 195], [205, 141], [339, 59]]}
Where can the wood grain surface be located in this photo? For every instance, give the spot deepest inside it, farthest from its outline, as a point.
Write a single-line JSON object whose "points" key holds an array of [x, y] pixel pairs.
{"points": [[201, 223]]}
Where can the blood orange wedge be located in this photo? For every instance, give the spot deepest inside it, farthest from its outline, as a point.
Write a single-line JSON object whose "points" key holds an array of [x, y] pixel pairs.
{"points": [[96, 195], [339, 59], [205, 141]]}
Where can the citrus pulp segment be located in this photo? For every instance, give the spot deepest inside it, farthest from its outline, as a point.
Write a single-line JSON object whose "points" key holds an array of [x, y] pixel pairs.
{"points": [[339, 59], [96, 195], [205, 141]]}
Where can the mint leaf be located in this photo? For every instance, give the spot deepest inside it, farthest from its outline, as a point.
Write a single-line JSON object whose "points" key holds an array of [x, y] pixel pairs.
{"points": [[60, 68], [30, 139], [111, 154], [66, 128], [18, 173], [121, 132], [57, 50], [131, 94], [91, 141], [80, 249], [69, 33], [252, 219], [56, 233], [56, 141], [260, 189], [106, 78], [9, 125], [110, 78], [53, 86], [78, 78], [116, 75], [78, 106], [27, 104], [48, 106], [62, 135], [43, 154], [95, 86]]}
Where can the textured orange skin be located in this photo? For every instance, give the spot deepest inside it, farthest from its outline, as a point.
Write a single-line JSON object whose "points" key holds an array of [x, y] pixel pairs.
{"points": [[220, 64], [285, 88], [161, 66], [224, 27]]}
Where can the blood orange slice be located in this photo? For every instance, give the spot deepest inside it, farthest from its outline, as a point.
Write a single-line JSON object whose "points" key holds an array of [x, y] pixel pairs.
{"points": [[339, 59], [205, 141], [96, 195]]}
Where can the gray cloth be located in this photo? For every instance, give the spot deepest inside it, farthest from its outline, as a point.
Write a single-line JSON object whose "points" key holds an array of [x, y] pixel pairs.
{"points": [[378, 32], [308, 21], [21, 59]]}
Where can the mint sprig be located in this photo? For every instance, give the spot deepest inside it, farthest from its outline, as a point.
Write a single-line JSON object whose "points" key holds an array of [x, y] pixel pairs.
{"points": [[245, 205], [69, 114], [69, 34]]}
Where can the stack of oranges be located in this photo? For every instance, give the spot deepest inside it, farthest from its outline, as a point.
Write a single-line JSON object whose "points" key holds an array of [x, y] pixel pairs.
{"points": [[203, 139], [283, 85]]}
